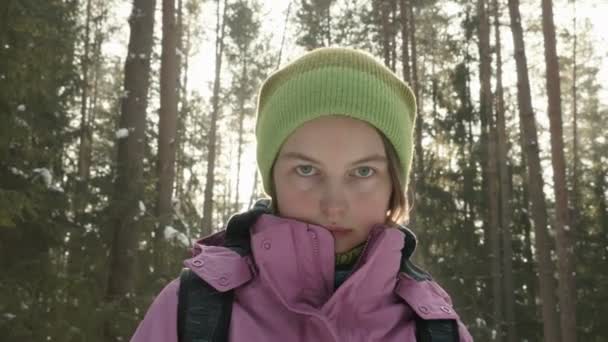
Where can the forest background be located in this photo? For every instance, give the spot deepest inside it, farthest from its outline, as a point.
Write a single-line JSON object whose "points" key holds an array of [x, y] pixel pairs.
{"points": [[127, 133]]}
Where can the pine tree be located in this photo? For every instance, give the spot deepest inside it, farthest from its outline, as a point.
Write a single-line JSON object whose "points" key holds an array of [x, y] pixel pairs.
{"points": [[505, 188], [208, 222], [126, 205], [535, 179], [565, 247], [167, 131]]}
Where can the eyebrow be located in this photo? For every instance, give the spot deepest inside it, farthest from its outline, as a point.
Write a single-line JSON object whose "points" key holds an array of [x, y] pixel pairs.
{"points": [[367, 159]]}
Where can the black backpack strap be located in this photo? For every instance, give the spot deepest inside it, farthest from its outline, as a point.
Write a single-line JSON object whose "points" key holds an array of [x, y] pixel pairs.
{"points": [[237, 230], [407, 266], [436, 330], [432, 330], [203, 313]]}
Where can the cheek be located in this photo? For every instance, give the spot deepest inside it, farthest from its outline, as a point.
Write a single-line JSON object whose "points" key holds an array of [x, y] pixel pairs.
{"points": [[295, 198], [302, 184], [371, 201], [374, 207]]}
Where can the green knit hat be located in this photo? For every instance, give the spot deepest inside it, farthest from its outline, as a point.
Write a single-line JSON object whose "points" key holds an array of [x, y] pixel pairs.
{"points": [[333, 81]]}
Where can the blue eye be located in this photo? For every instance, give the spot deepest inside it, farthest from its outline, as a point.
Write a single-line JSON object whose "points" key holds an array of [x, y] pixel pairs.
{"points": [[364, 172], [305, 170]]}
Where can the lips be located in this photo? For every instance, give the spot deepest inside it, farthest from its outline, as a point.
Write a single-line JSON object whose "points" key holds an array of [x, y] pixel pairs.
{"points": [[338, 230]]}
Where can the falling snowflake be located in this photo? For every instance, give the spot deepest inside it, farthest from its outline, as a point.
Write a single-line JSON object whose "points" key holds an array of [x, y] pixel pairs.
{"points": [[122, 133], [19, 121], [171, 233], [57, 188], [17, 172], [21, 107], [45, 174]]}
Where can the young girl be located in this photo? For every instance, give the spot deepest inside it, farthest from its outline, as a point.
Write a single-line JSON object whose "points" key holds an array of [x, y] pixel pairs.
{"points": [[327, 260]]}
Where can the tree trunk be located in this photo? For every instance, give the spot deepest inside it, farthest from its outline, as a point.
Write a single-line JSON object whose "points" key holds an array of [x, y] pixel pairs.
{"points": [[393, 26], [183, 111], [167, 131], [384, 9], [97, 75], [484, 209], [254, 192], [505, 190], [244, 81], [238, 159], [186, 61], [207, 224], [565, 247], [328, 23], [284, 34], [129, 185], [532, 282], [575, 158], [179, 49], [418, 181], [535, 179], [600, 188], [75, 246], [413, 45], [84, 152], [181, 94], [227, 204], [485, 109], [405, 46]]}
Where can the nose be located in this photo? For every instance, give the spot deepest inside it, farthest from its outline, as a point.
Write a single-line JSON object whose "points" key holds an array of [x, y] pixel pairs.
{"points": [[333, 203]]}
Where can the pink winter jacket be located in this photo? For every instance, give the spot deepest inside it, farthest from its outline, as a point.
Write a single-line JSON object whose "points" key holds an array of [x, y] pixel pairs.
{"points": [[285, 291]]}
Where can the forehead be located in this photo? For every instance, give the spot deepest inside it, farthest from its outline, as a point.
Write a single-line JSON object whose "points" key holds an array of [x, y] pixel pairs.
{"points": [[334, 137]]}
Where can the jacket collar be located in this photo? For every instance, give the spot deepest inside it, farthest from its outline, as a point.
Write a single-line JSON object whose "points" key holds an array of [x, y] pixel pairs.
{"points": [[223, 259], [303, 254]]}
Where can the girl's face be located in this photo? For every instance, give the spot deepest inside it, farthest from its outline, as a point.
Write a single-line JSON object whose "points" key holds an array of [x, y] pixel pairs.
{"points": [[333, 172]]}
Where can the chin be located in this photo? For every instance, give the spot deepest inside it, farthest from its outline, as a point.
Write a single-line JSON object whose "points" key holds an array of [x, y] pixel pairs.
{"points": [[342, 248]]}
